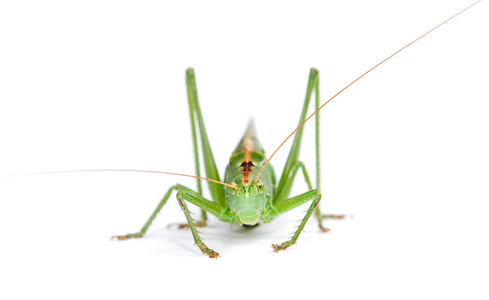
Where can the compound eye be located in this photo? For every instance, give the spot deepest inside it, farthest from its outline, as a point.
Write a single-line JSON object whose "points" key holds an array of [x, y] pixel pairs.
{"points": [[261, 187], [232, 191]]}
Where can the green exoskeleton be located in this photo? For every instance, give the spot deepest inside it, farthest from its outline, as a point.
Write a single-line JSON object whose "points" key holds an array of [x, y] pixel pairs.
{"points": [[250, 193]]}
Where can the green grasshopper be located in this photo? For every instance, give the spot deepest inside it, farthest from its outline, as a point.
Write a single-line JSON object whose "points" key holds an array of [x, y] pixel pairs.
{"points": [[250, 193]]}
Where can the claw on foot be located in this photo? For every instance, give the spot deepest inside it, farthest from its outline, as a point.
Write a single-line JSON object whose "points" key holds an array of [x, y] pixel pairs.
{"points": [[282, 246], [213, 254], [210, 252], [324, 229]]}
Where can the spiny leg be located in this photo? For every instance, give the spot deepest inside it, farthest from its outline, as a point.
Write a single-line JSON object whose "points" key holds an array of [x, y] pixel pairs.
{"points": [[193, 228], [320, 217], [197, 120], [216, 190], [283, 187], [222, 212], [293, 163], [185, 194], [292, 203], [150, 220], [198, 128], [191, 87], [289, 181]]}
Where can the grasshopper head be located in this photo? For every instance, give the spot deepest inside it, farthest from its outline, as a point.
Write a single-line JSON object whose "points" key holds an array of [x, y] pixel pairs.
{"points": [[248, 201]]}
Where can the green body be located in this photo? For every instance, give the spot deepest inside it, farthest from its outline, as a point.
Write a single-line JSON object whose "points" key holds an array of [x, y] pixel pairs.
{"points": [[250, 201]]}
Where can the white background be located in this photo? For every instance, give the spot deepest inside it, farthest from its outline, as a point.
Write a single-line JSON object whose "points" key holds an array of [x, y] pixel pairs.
{"points": [[100, 84]]}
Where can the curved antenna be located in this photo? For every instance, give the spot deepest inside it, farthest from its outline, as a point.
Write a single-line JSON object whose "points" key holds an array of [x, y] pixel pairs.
{"points": [[129, 170], [358, 78]]}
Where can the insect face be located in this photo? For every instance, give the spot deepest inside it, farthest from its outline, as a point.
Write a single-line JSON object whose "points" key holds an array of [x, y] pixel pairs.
{"points": [[247, 201]]}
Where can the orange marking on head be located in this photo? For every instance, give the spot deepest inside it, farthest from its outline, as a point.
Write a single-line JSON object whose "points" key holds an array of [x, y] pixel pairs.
{"points": [[247, 166]]}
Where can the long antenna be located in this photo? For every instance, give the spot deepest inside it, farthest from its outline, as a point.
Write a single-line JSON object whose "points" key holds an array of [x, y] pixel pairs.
{"points": [[358, 78], [128, 170]]}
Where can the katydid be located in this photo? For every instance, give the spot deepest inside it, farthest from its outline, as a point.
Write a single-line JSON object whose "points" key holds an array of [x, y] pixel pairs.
{"points": [[250, 193]]}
